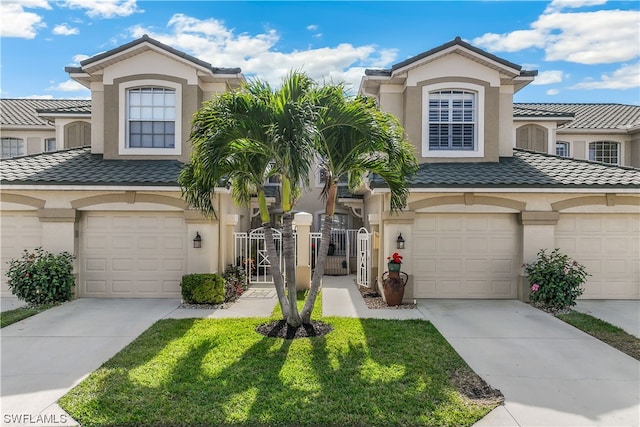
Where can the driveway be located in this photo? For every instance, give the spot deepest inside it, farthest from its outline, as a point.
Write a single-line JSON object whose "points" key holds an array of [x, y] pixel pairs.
{"points": [[550, 373], [44, 356]]}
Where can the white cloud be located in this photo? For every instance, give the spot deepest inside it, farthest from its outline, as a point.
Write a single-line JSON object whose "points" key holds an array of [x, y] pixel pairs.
{"points": [[16, 22], [552, 92], [104, 8], [626, 77], [598, 37], [79, 58], [556, 5], [312, 27], [38, 97], [68, 86], [64, 30], [548, 77], [257, 54]]}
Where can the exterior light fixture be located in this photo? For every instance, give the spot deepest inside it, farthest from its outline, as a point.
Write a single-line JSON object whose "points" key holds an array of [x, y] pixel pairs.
{"points": [[400, 242], [197, 241]]}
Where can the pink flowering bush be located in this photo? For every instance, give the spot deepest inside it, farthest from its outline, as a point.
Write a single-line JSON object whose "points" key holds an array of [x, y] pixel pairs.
{"points": [[41, 278], [556, 280]]}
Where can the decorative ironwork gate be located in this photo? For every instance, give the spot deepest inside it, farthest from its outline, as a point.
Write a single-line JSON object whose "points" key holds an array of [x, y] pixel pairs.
{"points": [[250, 251], [363, 274]]}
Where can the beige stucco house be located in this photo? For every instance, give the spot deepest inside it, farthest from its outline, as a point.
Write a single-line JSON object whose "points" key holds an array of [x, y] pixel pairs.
{"points": [[106, 189], [480, 207]]}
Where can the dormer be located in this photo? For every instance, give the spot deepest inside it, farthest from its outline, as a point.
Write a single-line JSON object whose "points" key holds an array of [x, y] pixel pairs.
{"points": [[144, 95], [455, 101]]}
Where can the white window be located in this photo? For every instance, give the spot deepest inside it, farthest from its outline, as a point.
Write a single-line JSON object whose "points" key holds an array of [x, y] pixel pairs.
{"points": [[562, 149], [452, 122], [151, 115], [12, 147], [605, 152], [150, 118], [49, 145]]}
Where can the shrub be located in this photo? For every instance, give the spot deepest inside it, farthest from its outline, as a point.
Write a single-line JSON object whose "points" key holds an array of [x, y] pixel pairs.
{"points": [[556, 280], [235, 282], [41, 277], [202, 288]]}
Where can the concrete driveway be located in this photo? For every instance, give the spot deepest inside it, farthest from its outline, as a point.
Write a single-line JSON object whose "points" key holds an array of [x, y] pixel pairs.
{"points": [[44, 356], [550, 373]]}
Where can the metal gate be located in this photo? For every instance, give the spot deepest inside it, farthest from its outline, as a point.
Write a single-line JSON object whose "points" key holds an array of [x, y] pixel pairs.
{"points": [[250, 252], [363, 274]]}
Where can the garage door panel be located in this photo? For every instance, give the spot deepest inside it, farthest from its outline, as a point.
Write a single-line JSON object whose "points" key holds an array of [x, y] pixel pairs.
{"points": [[466, 256], [129, 254], [607, 245]]}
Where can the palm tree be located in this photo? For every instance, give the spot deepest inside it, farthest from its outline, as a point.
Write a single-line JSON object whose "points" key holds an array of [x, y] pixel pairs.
{"points": [[241, 139], [356, 139]]}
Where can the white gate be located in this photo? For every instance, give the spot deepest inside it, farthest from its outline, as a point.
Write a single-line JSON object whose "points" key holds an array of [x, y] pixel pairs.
{"points": [[364, 258], [250, 252]]}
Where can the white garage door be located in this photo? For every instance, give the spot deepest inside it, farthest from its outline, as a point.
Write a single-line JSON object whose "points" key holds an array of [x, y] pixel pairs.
{"points": [[466, 256], [18, 231], [132, 255], [608, 246]]}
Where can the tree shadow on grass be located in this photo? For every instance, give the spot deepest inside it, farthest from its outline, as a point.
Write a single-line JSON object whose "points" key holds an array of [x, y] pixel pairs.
{"points": [[209, 372]]}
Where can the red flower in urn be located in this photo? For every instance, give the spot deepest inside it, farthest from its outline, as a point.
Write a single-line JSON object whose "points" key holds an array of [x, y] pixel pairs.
{"points": [[396, 258]]}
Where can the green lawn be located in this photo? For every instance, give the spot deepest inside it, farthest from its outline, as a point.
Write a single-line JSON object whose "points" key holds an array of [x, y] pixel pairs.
{"points": [[604, 331], [12, 316], [366, 372]]}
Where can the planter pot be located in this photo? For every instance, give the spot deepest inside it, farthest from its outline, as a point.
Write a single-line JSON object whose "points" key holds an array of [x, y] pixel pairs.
{"points": [[393, 266], [393, 287]]}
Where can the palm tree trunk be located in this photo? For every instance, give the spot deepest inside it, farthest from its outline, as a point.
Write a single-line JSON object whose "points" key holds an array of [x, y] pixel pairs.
{"points": [[278, 280], [293, 319], [322, 255]]}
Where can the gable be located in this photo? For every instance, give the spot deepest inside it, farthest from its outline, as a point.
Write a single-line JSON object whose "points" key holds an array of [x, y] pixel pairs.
{"points": [[150, 62]]}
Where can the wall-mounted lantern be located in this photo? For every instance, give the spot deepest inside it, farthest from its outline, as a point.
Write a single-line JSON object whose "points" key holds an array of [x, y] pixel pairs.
{"points": [[400, 242], [197, 241]]}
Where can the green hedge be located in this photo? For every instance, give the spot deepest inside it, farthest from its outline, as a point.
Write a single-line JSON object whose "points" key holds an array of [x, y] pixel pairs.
{"points": [[203, 288]]}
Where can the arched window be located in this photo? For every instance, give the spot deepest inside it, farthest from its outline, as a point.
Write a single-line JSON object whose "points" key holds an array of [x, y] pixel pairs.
{"points": [[605, 152], [562, 148], [12, 147]]}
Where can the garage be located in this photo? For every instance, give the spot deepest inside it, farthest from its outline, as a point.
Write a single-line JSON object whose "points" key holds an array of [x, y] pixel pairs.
{"points": [[19, 231], [132, 254], [466, 256], [608, 247]]}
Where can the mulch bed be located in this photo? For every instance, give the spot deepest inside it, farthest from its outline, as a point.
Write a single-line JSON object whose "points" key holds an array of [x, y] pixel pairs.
{"points": [[280, 329]]}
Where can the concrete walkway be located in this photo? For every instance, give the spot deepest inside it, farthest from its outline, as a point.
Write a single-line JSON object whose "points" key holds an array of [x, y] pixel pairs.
{"points": [[10, 303], [624, 314], [550, 373], [44, 356]]}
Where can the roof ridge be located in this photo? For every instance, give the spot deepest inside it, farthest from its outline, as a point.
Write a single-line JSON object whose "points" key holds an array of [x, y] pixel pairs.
{"points": [[574, 160]]}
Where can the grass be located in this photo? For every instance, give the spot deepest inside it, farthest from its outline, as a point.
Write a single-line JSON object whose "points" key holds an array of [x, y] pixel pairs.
{"points": [[604, 331], [366, 372], [12, 316]]}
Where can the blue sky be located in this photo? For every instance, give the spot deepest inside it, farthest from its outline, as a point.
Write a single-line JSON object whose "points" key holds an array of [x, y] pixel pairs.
{"points": [[584, 50]]}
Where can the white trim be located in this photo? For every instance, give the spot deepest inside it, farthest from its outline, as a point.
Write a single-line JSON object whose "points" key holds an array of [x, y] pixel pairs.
{"points": [[122, 119], [10, 187], [478, 150], [514, 190]]}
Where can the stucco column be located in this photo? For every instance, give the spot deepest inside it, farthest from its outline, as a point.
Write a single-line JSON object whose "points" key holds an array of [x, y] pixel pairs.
{"points": [[538, 232], [58, 230], [203, 259], [227, 248], [302, 221]]}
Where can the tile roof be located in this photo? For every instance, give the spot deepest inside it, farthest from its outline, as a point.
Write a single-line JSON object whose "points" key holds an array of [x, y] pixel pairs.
{"points": [[588, 116], [77, 166], [24, 112], [146, 38], [525, 169]]}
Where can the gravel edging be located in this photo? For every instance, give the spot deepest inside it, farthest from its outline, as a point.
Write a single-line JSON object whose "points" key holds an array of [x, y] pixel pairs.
{"points": [[374, 300]]}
